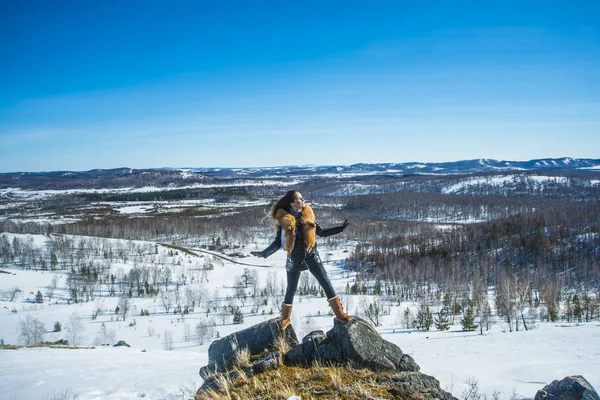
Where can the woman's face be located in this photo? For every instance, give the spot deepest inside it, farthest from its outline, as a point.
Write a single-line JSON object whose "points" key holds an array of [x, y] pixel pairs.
{"points": [[298, 203]]}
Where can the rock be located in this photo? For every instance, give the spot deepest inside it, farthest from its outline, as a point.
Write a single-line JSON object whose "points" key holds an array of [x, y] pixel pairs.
{"points": [[356, 342], [304, 353], [214, 380], [574, 387], [417, 386], [258, 339], [207, 371], [267, 362], [121, 343], [62, 342], [407, 363]]}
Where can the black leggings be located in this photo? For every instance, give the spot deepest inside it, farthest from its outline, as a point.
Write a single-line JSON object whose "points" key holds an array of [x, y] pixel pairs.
{"points": [[318, 272]]}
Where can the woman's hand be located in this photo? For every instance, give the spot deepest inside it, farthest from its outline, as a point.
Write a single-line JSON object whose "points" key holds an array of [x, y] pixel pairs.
{"points": [[260, 254], [345, 224]]}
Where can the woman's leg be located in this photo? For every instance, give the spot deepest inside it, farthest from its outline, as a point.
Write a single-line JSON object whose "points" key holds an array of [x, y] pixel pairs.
{"points": [[292, 284], [316, 268]]}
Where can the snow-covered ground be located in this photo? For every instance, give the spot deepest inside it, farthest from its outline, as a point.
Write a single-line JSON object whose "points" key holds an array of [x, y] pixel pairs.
{"points": [[520, 362]]}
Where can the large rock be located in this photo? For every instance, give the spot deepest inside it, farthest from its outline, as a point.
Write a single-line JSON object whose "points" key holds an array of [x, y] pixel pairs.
{"points": [[258, 339], [355, 342], [574, 387], [415, 385], [305, 353]]}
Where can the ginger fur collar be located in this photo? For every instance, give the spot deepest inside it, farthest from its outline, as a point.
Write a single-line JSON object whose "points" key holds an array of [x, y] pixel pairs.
{"points": [[288, 223]]}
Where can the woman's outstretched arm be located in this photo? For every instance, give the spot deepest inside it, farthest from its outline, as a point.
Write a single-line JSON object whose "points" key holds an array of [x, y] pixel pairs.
{"points": [[324, 232], [273, 247]]}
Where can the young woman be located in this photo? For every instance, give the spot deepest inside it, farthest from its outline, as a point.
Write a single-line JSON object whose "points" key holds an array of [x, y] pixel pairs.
{"points": [[296, 233]]}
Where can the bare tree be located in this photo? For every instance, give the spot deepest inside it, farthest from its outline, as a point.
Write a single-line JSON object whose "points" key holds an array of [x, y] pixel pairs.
{"points": [[167, 299], [75, 329], [187, 332], [98, 304], [13, 293], [105, 336], [506, 298], [201, 331], [168, 340], [189, 297], [32, 330], [166, 276], [372, 310], [51, 288], [523, 294], [124, 305]]}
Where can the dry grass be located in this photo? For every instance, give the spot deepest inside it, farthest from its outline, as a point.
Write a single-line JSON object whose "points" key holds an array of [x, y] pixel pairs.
{"points": [[335, 377], [282, 345], [315, 382], [242, 358]]}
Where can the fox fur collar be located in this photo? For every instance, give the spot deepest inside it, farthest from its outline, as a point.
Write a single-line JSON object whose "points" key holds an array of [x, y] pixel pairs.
{"points": [[288, 223]]}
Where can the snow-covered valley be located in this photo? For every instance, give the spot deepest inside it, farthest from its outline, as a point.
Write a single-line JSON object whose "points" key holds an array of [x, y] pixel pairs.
{"points": [[165, 352]]}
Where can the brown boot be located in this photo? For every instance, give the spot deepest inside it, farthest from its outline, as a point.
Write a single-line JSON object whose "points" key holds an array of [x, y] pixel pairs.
{"points": [[286, 313], [338, 310]]}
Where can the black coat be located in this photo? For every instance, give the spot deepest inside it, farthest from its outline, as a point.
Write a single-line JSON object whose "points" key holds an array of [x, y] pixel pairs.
{"points": [[300, 259]]}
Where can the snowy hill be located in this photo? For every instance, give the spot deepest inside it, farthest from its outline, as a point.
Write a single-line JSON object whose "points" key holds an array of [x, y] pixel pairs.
{"points": [[174, 177]]}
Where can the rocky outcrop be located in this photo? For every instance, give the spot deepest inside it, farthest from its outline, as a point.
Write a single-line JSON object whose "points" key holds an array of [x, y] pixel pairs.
{"points": [[355, 343], [258, 340], [574, 387]]}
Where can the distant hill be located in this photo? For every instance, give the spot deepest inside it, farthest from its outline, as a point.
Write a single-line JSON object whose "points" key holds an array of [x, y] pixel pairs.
{"points": [[174, 177]]}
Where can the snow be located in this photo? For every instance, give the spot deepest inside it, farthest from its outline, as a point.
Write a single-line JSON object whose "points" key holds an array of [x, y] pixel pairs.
{"points": [[42, 194], [522, 362], [467, 183], [105, 372], [507, 181], [544, 179]]}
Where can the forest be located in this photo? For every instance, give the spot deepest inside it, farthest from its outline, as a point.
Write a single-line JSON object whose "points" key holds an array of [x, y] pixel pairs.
{"points": [[531, 239]]}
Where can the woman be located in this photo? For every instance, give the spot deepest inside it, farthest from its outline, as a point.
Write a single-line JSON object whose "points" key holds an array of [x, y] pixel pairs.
{"points": [[294, 217]]}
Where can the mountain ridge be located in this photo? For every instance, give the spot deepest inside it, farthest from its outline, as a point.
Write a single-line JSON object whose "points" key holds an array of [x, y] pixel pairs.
{"points": [[460, 166]]}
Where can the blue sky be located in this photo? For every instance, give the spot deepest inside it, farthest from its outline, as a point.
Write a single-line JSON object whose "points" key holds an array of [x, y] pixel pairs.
{"points": [[104, 84]]}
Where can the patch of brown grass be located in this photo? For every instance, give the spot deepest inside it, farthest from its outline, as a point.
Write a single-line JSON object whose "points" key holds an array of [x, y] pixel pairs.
{"points": [[281, 344], [315, 382], [242, 358]]}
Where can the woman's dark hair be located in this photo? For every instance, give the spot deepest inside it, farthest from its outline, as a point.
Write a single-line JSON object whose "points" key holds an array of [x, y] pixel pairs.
{"points": [[285, 202]]}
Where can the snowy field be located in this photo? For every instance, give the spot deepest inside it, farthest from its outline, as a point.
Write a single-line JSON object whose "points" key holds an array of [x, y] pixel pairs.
{"points": [[507, 362]]}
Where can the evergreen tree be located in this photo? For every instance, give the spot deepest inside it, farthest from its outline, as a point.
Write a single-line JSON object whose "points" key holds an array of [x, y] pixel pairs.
{"points": [[484, 315], [38, 297], [53, 261], [568, 309], [553, 312], [423, 319], [442, 322], [577, 309], [238, 317], [57, 327], [407, 318], [468, 320], [428, 319]]}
